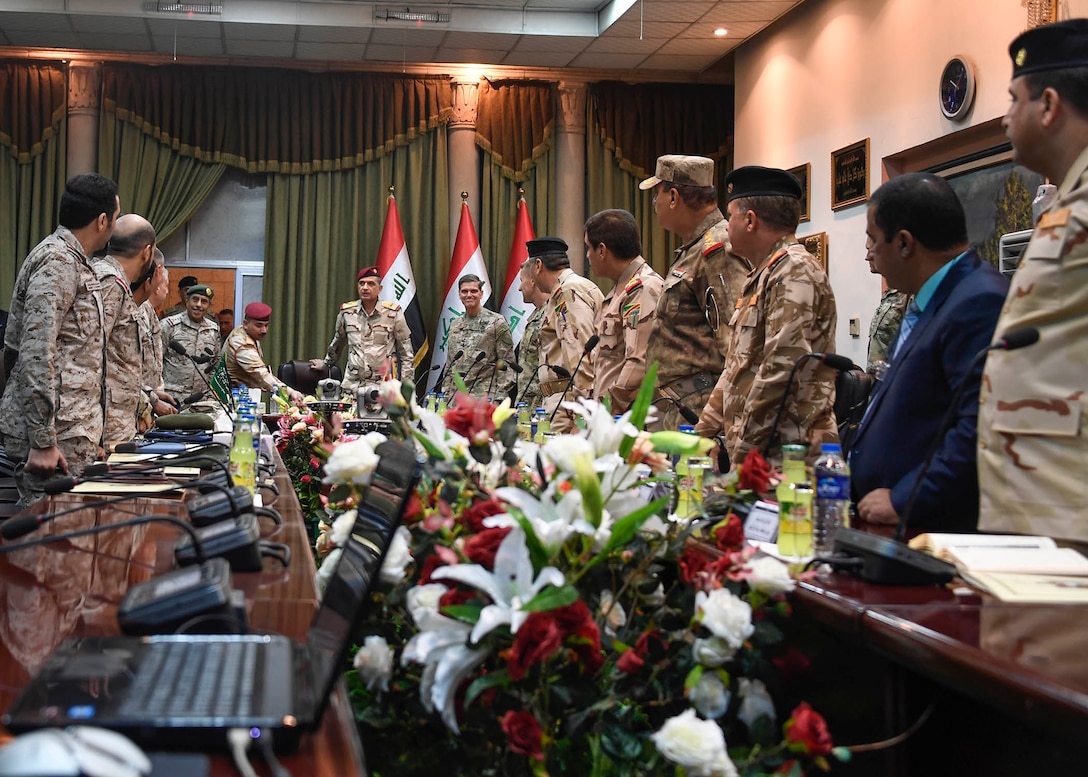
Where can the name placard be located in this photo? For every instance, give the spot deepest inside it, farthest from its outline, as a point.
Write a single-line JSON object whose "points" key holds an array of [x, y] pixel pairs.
{"points": [[761, 525]]}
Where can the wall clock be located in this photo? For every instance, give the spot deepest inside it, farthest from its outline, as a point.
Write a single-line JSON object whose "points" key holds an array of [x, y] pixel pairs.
{"points": [[957, 88]]}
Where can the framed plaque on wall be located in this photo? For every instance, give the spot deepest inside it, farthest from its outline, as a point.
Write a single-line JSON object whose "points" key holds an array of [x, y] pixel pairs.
{"points": [[850, 175]]}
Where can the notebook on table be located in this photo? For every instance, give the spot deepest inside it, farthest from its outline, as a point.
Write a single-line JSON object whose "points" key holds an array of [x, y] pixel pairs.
{"points": [[178, 692]]}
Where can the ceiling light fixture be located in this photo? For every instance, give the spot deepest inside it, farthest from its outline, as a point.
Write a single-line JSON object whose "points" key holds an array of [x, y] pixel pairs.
{"points": [[205, 8], [721, 32], [408, 15]]}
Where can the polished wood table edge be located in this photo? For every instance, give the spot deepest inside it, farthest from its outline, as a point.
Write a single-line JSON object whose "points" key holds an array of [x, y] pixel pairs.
{"points": [[1031, 696]]}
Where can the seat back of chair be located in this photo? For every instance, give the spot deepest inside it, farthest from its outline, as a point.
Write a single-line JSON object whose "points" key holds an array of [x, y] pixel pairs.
{"points": [[852, 389], [299, 375]]}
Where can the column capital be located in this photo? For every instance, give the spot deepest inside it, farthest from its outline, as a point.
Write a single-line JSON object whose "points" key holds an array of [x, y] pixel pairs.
{"points": [[84, 88], [465, 96], [572, 107]]}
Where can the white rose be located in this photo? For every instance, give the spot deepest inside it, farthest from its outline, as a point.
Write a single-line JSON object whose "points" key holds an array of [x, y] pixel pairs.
{"points": [[770, 576], [423, 599], [375, 663], [397, 557], [755, 702], [351, 462], [696, 745], [342, 528], [712, 652], [725, 616], [710, 696], [328, 566]]}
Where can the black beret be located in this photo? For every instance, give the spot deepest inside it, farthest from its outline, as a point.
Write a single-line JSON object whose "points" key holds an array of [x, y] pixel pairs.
{"points": [[187, 281], [1050, 47], [545, 246], [755, 181]]}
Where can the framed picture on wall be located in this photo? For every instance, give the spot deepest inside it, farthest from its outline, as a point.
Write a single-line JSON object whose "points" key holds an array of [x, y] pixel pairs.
{"points": [[817, 246], [850, 175], [803, 173]]}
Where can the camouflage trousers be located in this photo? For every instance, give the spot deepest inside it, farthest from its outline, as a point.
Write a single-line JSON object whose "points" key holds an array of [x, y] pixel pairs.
{"points": [[78, 452], [668, 414]]}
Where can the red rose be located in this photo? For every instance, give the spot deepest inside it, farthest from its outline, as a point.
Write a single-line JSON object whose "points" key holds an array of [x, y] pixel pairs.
{"points": [[524, 734], [583, 636], [537, 640], [793, 664], [470, 417], [429, 566], [473, 517], [315, 462], [455, 597], [630, 662], [691, 562], [806, 731], [755, 472], [634, 659], [413, 511], [729, 535], [305, 479], [481, 548]]}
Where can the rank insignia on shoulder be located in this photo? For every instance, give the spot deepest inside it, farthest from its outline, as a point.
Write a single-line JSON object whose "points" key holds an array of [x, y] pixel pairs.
{"points": [[349, 305], [632, 284], [390, 305], [712, 247], [1057, 218]]}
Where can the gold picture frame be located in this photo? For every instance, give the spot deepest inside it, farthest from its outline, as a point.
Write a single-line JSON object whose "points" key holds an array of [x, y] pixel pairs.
{"points": [[803, 173], [817, 246], [850, 175]]}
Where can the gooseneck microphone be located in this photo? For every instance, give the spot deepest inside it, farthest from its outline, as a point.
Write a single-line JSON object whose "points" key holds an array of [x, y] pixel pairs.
{"points": [[479, 358], [835, 361], [890, 561], [446, 369], [591, 343], [559, 370], [198, 548], [179, 349]]}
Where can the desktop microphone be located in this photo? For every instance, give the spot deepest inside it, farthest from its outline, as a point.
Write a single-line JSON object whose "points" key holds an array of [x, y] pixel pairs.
{"points": [[446, 368], [890, 561], [178, 348], [591, 343], [688, 414], [496, 368], [562, 372], [835, 361], [479, 358]]}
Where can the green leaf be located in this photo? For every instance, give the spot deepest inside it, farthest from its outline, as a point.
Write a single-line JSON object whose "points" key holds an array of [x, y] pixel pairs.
{"points": [[640, 406], [484, 682], [619, 743], [592, 500], [693, 677], [467, 613], [551, 598], [432, 450], [678, 443], [624, 530], [537, 554]]}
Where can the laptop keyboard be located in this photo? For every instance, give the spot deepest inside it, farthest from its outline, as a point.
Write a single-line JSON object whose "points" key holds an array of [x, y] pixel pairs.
{"points": [[194, 679]]}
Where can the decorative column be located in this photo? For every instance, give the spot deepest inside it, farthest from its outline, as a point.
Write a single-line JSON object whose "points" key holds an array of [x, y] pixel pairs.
{"points": [[464, 156], [570, 164], [84, 96]]}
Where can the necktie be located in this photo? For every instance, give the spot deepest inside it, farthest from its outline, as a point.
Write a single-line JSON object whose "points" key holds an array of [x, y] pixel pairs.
{"points": [[910, 318]]}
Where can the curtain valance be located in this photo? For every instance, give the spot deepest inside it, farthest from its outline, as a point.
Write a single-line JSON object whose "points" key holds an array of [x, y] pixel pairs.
{"points": [[280, 121], [515, 121], [33, 102], [640, 122]]}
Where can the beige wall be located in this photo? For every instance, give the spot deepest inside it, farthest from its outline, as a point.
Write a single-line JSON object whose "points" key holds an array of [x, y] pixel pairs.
{"points": [[837, 71]]}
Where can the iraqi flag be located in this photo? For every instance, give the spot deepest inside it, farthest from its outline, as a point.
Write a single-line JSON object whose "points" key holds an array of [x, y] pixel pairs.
{"points": [[398, 280], [514, 307], [467, 259]]}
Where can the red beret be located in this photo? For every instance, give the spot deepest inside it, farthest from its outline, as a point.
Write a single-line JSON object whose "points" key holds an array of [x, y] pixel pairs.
{"points": [[368, 272], [258, 311]]}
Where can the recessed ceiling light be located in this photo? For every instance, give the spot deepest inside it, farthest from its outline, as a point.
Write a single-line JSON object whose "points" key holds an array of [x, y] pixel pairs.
{"points": [[721, 31]]}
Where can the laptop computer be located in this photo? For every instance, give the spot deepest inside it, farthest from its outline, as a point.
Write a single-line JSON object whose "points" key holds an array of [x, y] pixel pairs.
{"points": [[177, 692]]}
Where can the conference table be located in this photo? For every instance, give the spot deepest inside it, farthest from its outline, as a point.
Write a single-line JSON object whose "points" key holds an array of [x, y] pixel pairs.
{"points": [[72, 589]]}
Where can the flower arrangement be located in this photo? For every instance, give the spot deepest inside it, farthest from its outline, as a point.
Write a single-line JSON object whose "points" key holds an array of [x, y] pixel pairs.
{"points": [[545, 616], [301, 440]]}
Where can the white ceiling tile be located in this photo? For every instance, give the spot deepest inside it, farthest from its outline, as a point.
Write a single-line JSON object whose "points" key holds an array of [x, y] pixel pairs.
{"points": [[264, 32], [607, 61], [101, 42], [337, 52], [551, 43], [405, 36], [111, 25], [626, 46], [674, 62], [521, 58], [260, 48], [409, 54], [730, 12], [446, 54], [633, 29], [189, 47], [12, 21], [190, 28], [45, 40], [333, 34]]}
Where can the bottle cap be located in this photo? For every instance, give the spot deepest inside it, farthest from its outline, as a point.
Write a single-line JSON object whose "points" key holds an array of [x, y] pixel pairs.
{"points": [[831, 447], [689, 428]]}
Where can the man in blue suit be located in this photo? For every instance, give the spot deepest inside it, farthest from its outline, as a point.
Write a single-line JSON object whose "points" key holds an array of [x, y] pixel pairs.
{"points": [[917, 239]]}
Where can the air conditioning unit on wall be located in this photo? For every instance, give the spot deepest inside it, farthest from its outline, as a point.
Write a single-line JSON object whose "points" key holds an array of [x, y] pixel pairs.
{"points": [[1011, 249]]}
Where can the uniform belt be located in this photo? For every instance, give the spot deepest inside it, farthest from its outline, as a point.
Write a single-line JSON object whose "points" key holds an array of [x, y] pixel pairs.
{"points": [[688, 385], [557, 386]]}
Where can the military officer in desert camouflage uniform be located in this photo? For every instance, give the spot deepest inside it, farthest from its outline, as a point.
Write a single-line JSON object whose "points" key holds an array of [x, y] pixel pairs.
{"points": [[243, 356], [570, 320], [124, 276], [786, 309], [614, 251], [690, 334], [154, 391], [883, 329], [196, 332], [375, 333], [51, 414], [483, 339], [528, 350], [1033, 417]]}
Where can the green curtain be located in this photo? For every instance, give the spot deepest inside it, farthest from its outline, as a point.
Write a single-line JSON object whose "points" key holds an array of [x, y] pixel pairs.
{"points": [[321, 228], [33, 160], [155, 181]]}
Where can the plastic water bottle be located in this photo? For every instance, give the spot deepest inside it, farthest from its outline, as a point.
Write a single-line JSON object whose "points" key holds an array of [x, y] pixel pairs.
{"points": [[832, 496], [243, 458]]}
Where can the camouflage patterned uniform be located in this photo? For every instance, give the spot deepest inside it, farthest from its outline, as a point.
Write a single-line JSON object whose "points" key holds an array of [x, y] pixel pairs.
{"points": [[690, 335], [570, 319], [123, 357], [619, 360], [786, 309], [245, 362], [885, 325], [150, 353], [528, 353], [179, 374], [487, 332], [1033, 413], [54, 393], [372, 338]]}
